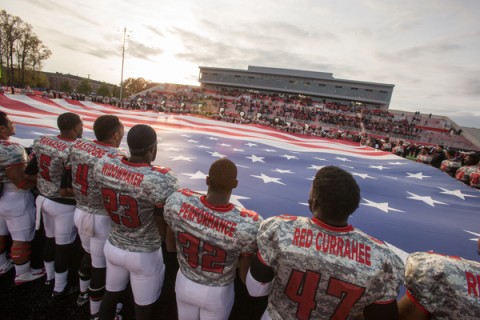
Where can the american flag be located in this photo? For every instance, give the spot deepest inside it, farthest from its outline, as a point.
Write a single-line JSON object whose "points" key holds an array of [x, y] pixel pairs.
{"points": [[411, 206]]}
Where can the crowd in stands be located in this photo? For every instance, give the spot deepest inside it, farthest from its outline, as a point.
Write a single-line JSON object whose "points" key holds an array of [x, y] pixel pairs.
{"points": [[298, 114]]}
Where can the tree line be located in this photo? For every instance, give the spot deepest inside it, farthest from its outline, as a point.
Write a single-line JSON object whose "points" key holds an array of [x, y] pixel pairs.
{"points": [[22, 55], [21, 52]]}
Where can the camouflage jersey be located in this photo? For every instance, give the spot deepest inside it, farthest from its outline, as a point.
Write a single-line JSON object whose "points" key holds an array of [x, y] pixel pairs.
{"points": [[51, 153], [210, 239], [450, 165], [463, 174], [325, 272], [11, 154], [425, 158], [475, 179], [131, 192], [84, 154], [446, 287]]}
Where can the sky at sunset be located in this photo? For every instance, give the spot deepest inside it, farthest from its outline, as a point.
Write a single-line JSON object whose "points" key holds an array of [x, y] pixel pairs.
{"points": [[428, 49]]}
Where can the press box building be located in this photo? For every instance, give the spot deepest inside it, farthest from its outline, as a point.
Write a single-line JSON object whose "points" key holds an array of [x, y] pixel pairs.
{"points": [[321, 86]]}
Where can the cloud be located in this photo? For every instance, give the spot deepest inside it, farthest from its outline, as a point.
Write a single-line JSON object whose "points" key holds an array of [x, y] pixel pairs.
{"points": [[141, 51], [471, 86], [424, 51], [156, 31], [59, 8], [435, 49]]}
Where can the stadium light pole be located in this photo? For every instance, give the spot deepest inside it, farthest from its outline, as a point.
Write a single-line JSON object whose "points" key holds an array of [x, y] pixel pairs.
{"points": [[123, 59]]}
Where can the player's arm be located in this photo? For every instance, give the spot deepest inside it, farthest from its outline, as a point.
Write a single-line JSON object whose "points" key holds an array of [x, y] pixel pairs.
{"points": [[259, 278], [380, 311], [160, 222], [32, 166], [244, 262], [170, 240], [410, 310], [66, 189], [17, 176]]}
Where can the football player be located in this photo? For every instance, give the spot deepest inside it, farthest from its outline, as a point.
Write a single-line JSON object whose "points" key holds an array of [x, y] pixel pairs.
{"points": [[440, 287], [17, 206], [134, 193], [91, 219], [322, 267], [213, 238]]}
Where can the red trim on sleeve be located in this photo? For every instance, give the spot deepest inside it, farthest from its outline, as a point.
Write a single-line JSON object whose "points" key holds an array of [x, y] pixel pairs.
{"points": [[247, 254], [384, 302], [21, 184], [416, 303], [322, 224], [15, 165], [261, 259]]}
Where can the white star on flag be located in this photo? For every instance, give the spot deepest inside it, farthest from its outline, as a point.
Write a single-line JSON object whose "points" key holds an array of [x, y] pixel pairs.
{"points": [[216, 154], [181, 158], [238, 150], [286, 156], [172, 149], [282, 171], [426, 199], [234, 199], [267, 179], [394, 178], [475, 234], [197, 175], [320, 159], [314, 167], [343, 159], [379, 167], [224, 144], [362, 175], [185, 135], [192, 141], [212, 138], [270, 150], [397, 163], [250, 144], [383, 206], [345, 166], [204, 147], [399, 252], [419, 175], [303, 204], [456, 193], [254, 158]]}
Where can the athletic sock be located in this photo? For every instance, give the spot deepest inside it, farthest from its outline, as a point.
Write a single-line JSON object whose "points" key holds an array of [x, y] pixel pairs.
{"points": [[84, 285], [60, 281], [22, 268], [95, 306], [50, 270], [3, 258]]}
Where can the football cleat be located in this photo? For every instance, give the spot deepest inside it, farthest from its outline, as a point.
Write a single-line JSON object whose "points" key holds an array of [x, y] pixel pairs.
{"points": [[82, 299], [62, 294], [7, 266], [31, 275]]}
